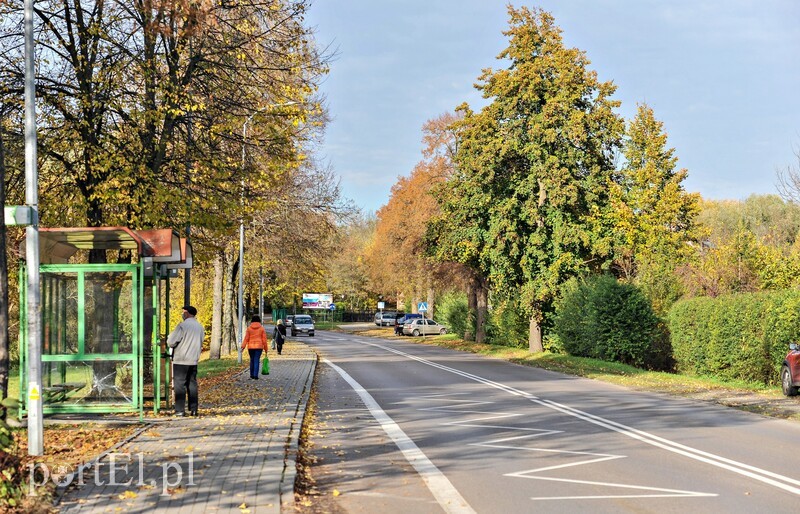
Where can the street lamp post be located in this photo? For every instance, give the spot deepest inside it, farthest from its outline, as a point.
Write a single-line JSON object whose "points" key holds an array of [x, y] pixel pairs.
{"points": [[241, 223]]}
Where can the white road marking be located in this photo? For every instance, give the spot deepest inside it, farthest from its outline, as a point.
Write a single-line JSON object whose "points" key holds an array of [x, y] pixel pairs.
{"points": [[442, 489], [768, 477], [456, 406]]}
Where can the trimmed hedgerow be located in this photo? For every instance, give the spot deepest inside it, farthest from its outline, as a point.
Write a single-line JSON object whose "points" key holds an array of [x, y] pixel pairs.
{"points": [[735, 337]]}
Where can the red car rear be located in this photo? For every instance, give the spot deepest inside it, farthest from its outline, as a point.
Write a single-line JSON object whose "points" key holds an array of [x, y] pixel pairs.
{"points": [[790, 371]]}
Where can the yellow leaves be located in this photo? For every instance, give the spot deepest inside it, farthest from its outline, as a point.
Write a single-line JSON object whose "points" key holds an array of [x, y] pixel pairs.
{"points": [[127, 495], [243, 508], [336, 492]]}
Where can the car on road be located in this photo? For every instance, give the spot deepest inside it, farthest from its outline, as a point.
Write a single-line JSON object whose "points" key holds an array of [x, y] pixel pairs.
{"points": [[302, 324], [289, 321], [385, 319], [423, 327], [399, 322], [790, 371]]}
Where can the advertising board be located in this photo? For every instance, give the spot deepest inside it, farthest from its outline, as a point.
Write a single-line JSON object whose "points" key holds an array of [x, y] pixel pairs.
{"points": [[317, 300]]}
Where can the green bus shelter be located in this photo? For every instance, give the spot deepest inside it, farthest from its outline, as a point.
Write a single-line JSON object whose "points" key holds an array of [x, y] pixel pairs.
{"points": [[102, 343]]}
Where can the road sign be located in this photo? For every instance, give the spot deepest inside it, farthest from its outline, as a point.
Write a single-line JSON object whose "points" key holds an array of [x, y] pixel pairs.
{"points": [[332, 306], [422, 307], [381, 305]]}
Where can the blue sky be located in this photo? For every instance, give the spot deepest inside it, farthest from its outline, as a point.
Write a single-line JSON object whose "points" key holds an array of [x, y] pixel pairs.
{"points": [[723, 76]]}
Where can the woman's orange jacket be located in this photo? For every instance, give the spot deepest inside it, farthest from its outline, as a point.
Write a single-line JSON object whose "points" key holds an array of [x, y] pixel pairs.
{"points": [[255, 338]]}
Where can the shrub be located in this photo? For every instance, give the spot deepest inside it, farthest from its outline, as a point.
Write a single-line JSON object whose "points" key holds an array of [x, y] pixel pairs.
{"points": [[506, 325], [735, 337], [612, 321], [451, 310]]}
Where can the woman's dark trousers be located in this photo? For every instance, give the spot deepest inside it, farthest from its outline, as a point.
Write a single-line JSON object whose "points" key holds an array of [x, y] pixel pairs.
{"points": [[255, 362]]}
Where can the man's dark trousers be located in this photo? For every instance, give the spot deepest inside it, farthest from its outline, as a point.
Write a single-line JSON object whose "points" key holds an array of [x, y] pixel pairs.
{"points": [[185, 381]]}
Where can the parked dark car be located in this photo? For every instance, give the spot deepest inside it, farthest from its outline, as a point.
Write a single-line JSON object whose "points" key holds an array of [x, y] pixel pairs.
{"points": [[790, 371], [399, 322]]}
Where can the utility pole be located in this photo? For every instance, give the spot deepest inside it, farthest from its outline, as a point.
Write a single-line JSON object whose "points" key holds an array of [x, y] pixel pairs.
{"points": [[34, 400]]}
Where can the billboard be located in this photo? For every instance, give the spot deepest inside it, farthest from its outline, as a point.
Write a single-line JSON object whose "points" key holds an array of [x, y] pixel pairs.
{"points": [[317, 300]]}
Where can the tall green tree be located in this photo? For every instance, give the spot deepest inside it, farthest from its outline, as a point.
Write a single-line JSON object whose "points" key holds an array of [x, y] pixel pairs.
{"points": [[533, 164], [651, 215]]}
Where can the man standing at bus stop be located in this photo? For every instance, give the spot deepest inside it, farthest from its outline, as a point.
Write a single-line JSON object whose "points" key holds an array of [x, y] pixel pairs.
{"points": [[187, 342]]}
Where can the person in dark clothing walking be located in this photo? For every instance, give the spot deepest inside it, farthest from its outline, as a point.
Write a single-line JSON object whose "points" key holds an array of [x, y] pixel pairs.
{"points": [[255, 342], [187, 342], [279, 334]]}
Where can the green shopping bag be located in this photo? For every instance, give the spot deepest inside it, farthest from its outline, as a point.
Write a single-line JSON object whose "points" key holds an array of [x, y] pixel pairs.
{"points": [[265, 366]]}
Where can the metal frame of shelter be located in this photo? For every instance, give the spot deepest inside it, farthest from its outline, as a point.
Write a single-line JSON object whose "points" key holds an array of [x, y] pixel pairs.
{"points": [[101, 344]]}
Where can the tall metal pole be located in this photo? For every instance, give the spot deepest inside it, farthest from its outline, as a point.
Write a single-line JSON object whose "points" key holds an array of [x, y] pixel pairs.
{"points": [[261, 293], [34, 321], [241, 247], [241, 289], [241, 224], [187, 278]]}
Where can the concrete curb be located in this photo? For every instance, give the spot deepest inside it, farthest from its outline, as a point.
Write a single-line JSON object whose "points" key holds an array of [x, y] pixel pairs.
{"points": [[289, 475]]}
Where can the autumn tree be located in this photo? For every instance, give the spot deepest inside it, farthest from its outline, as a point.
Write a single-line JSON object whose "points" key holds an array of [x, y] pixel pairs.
{"points": [[397, 257], [143, 104], [4, 336], [532, 164], [651, 216], [457, 232], [347, 268], [125, 82], [749, 245]]}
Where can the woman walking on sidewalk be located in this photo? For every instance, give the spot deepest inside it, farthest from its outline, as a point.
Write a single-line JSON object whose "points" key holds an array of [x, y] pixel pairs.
{"points": [[255, 341], [279, 336]]}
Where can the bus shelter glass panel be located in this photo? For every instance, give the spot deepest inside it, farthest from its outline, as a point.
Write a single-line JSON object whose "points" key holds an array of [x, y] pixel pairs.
{"points": [[91, 347]]}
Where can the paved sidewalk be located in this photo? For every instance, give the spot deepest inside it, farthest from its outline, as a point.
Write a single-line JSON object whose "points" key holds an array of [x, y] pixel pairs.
{"points": [[237, 456]]}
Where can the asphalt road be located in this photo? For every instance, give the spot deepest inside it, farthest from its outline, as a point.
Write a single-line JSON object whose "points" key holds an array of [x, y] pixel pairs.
{"points": [[404, 427]]}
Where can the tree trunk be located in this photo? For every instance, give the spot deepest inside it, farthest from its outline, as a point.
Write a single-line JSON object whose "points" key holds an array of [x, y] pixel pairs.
{"points": [[227, 304], [235, 314], [4, 342], [481, 309], [235, 341], [216, 315], [535, 330], [431, 301]]}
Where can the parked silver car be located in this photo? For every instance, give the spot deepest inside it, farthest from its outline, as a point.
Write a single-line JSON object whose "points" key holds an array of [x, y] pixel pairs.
{"points": [[385, 319], [423, 327]]}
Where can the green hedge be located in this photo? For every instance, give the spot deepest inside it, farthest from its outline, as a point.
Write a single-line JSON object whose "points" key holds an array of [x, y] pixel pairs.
{"points": [[610, 320], [736, 337]]}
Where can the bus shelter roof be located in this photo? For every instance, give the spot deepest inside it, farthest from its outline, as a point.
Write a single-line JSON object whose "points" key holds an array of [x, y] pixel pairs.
{"points": [[165, 246]]}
